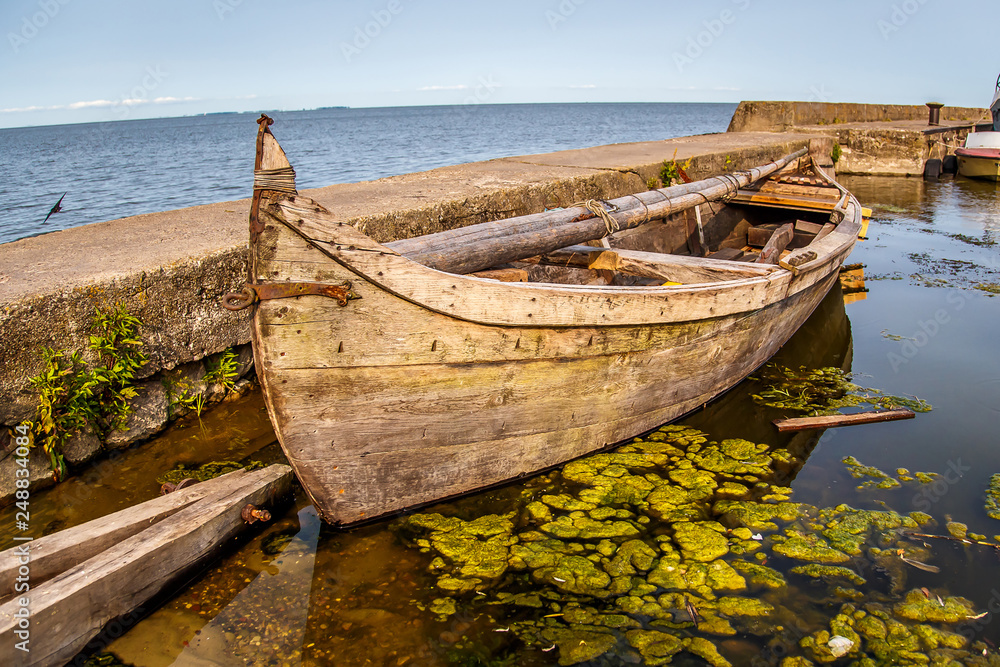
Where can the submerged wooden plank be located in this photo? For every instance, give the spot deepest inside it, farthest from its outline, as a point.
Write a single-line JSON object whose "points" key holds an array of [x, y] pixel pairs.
{"points": [[831, 421], [73, 607], [54, 553]]}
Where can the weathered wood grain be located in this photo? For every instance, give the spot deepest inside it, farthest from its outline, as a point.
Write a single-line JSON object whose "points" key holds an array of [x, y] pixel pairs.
{"points": [[779, 240], [524, 304], [364, 444], [434, 384], [478, 247], [54, 553], [72, 607], [833, 421], [678, 268]]}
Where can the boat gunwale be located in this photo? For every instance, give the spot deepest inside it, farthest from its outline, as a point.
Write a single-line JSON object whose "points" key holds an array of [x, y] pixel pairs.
{"points": [[834, 245]]}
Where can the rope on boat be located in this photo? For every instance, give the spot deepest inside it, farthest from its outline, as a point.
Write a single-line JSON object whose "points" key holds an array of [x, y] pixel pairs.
{"points": [[730, 180], [645, 208], [279, 180], [596, 206]]}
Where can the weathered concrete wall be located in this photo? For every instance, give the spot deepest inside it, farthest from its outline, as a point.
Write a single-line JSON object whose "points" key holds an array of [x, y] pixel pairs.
{"points": [[171, 269], [884, 150], [781, 116]]}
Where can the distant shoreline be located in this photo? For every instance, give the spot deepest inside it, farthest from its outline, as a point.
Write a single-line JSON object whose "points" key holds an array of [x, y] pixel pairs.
{"points": [[345, 108]]}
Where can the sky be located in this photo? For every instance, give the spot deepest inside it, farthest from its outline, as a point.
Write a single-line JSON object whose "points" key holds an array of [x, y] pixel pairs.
{"points": [[74, 61]]}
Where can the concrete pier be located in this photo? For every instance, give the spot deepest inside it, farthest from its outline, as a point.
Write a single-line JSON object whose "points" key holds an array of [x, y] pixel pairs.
{"points": [[875, 139]]}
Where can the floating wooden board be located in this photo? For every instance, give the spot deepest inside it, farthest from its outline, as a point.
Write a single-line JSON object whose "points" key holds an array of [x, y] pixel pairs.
{"points": [[831, 421]]}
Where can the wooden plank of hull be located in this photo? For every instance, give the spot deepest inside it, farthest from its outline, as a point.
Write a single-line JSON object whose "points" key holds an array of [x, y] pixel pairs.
{"points": [[387, 421], [73, 607]]}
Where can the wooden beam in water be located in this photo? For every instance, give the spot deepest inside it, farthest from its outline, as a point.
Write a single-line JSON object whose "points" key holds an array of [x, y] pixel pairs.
{"points": [[831, 421]]}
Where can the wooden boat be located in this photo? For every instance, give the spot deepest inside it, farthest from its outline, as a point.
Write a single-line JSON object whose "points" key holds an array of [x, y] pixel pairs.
{"points": [[403, 373], [99, 575]]}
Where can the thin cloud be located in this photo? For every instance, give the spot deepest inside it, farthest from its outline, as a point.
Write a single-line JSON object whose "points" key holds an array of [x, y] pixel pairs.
{"points": [[102, 104], [460, 87]]}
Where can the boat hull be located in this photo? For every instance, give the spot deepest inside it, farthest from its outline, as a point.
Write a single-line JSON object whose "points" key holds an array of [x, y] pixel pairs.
{"points": [[387, 403], [979, 164]]}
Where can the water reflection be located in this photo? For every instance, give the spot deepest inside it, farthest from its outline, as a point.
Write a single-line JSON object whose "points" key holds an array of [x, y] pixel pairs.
{"points": [[266, 622]]}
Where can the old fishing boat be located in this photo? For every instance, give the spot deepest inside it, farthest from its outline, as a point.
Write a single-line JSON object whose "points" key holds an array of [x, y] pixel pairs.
{"points": [[979, 156], [403, 373], [80, 588]]}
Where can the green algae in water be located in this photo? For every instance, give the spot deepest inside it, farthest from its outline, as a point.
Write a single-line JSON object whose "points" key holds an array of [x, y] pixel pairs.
{"points": [[823, 391], [643, 557], [878, 479], [993, 498], [275, 543], [206, 471], [106, 660]]}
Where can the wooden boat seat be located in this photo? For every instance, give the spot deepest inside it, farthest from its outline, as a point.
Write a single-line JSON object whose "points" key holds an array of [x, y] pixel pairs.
{"points": [[678, 269]]}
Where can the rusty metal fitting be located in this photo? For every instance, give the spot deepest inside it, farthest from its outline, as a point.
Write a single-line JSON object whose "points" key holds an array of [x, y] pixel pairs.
{"points": [[251, 514], [170, 488], [240, 300]]}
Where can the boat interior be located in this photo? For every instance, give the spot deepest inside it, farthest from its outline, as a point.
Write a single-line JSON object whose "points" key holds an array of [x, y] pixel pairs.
{"points": [[744, 236]]}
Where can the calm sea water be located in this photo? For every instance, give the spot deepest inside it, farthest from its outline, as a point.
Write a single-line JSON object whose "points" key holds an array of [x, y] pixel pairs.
{"points": [[117, 169]]}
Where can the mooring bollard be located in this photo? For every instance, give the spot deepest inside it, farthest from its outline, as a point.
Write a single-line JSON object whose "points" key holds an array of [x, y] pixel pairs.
{"points": [[935, 113]]}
